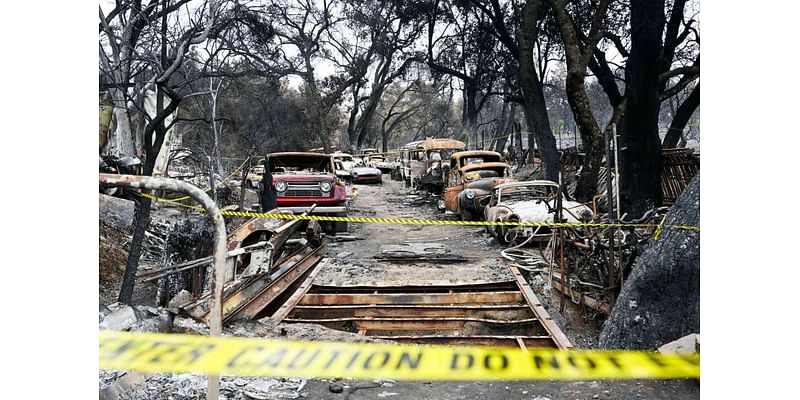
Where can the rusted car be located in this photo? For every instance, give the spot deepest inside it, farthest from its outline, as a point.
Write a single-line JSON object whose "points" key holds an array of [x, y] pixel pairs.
{"points": [[529, 201], [302, 179], [471, 176], [422, 162]]}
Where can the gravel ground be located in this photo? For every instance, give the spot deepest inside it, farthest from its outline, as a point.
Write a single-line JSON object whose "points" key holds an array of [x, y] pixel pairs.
{"points": [[354, 263]]}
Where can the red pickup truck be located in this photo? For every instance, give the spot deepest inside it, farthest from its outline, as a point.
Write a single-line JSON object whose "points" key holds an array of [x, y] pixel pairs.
{"points": [[302, 179]]}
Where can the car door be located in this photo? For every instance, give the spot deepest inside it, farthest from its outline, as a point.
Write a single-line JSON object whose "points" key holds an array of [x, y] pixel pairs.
{"points": [[455, 184]]}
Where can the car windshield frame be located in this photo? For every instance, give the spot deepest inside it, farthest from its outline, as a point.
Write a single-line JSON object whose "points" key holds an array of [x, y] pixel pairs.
{"points": [[526, 193]]}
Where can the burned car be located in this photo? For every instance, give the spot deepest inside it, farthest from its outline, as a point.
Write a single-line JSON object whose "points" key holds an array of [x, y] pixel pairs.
{"points": [[366, 175], [530, 201], [341, 172], [347, 160], [471, 176], [380, 163], [422, 162], [254, 175], [302, 179]]}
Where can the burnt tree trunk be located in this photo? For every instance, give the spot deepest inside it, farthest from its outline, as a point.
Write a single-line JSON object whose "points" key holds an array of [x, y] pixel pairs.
{"points": [[578, 53], [267, 195], [533, 95], [507, 131], [142, 212], [682, 116], [591, 136], [660, 301], [469, 119], [640, 161]]}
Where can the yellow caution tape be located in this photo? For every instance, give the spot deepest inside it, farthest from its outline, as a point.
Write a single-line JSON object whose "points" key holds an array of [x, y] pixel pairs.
{"points": [[149, 352], [177, 200], [407, 221]]}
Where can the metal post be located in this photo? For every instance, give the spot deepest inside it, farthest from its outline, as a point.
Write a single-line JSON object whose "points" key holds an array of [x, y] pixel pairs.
{"points": [[151, 183], [616, 197], [559, 219], [611, 219]]}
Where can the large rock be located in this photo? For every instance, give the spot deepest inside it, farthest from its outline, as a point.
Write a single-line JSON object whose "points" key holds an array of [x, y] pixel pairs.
{"points": [[660, 301], [116, 211], [685, 345], [144, 319], [121, 319]]}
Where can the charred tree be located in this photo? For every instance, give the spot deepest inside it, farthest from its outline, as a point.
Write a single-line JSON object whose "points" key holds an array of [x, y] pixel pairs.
{"points": [[533, 96], [682, 116], [578, 53], [660, 301], [640, 161]]}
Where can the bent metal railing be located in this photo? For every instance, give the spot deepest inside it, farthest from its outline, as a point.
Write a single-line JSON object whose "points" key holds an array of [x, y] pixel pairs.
{"points": [[218, 279]]}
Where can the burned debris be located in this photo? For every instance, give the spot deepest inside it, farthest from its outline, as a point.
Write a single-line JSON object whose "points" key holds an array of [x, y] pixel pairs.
{"points": [[424, 284]]}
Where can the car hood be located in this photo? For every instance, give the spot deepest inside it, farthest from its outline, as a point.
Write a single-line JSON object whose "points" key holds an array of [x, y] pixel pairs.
{"points": [[485, 184], [537, 211]]}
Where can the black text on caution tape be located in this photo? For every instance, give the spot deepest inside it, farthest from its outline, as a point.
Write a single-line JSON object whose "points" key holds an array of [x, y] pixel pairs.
{"points": [[259, 357]]}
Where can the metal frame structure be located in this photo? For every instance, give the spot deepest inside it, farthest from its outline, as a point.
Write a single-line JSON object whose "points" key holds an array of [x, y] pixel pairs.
{"points": [[504, 313], [218, 279]]}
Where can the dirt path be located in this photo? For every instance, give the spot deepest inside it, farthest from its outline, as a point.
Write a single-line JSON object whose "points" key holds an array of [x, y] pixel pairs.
{"points": [[355, 261]]}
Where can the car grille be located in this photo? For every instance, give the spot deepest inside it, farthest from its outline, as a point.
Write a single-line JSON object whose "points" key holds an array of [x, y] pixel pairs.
{"points": [[304, 190]]}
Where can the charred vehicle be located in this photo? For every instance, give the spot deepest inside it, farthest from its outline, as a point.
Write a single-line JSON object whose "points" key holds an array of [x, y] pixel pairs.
{"points": [[302, 179], [380, 163], [341, 172], [530, 201], [347, 160], [422, 162], [254, 175], [471, 176], [366, 175]]}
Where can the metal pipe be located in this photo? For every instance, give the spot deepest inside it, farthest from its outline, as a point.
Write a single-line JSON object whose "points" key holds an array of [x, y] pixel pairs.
{"points": [[616, 168], [560, 217], [152, 183], [611, 219]]}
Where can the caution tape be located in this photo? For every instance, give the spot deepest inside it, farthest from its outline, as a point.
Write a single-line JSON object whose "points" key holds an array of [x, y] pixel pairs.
{"points": [[408, 221], [179, 199], [150, 352]]}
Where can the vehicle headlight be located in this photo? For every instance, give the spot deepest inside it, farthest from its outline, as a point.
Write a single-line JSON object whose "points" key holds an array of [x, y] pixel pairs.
{"points": [[281, 186], [325, 186], [469, 193]]}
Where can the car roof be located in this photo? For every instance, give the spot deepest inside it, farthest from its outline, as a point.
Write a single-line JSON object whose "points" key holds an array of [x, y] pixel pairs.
{"points": [[471, 153], [486, 165], [298, 153]]}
